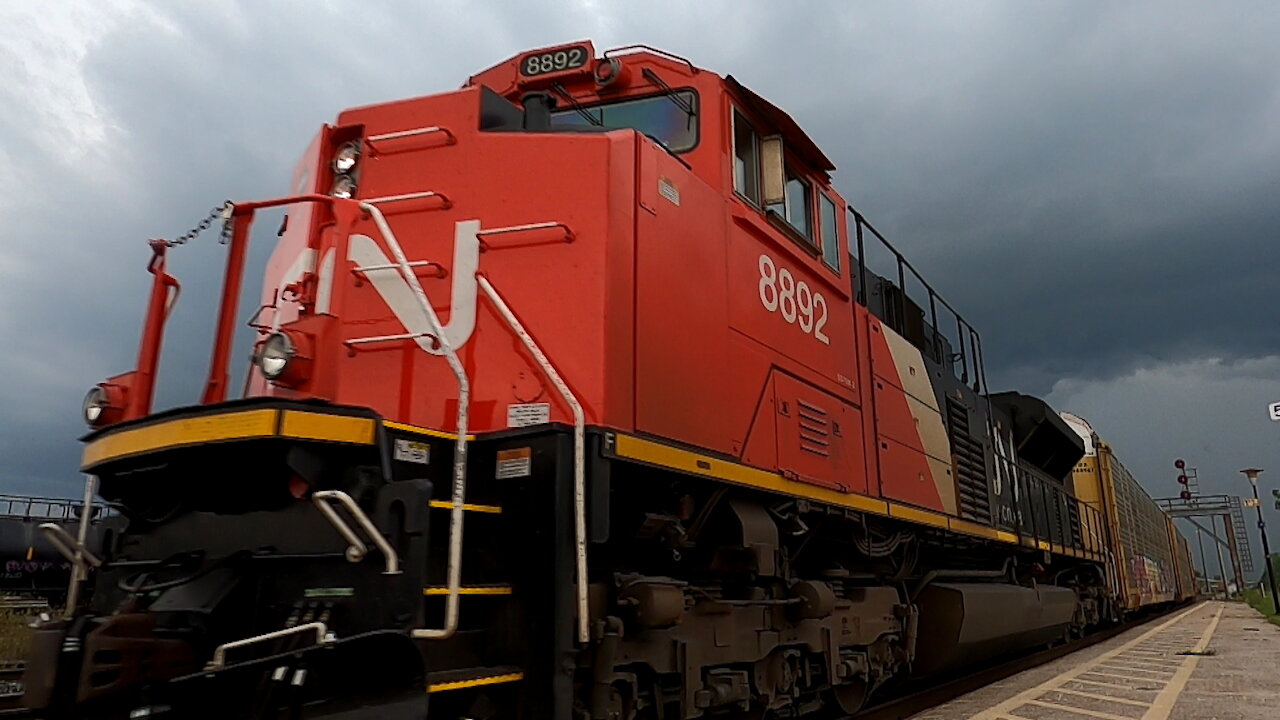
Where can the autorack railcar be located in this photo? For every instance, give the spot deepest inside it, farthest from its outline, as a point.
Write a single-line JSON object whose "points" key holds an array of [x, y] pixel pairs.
{"points": [[1148, 560]]}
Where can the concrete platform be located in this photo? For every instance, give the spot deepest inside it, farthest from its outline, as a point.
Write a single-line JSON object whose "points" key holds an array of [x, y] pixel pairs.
{"points": [[1144, 675]]}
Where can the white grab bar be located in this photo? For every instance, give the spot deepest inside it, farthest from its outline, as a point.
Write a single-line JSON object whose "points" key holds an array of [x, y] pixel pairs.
{"points": [[579, 462], [454, 571], [356, 549], [219, 660], [68, 547]]}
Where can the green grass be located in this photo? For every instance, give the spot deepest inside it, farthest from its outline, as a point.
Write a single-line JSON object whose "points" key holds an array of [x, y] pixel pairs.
{"points": [[15, 636], [1262, 604]]}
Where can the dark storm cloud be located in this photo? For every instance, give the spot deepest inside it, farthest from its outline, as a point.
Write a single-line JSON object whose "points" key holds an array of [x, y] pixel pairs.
{"points": [[1093, 185]]}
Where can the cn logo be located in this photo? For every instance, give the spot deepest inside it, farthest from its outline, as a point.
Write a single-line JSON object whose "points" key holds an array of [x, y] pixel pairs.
{"points": [[403, 301]]}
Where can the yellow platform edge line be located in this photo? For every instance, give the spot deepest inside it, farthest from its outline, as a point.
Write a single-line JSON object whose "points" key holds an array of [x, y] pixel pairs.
{"points": [[491, 680], [424, 431], [323, 426], [471, 507], [473, 590]]}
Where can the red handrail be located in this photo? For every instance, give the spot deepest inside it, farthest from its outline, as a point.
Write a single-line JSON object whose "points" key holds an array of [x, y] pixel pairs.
{"points": [[143, 387], [343, 210]]}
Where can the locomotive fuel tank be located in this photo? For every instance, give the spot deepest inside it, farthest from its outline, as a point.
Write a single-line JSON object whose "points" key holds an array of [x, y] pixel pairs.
{"points": [[967, 623]]}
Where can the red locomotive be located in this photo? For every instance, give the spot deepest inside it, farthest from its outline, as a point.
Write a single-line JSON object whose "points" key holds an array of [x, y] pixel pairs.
{"points": [[574, 397]]}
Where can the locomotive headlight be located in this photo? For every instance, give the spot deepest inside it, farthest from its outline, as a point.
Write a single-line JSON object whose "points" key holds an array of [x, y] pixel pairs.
{"points": [[276, 354], [344, 186], [285, 358], [344, 160], [103, 404], [95, 405]]}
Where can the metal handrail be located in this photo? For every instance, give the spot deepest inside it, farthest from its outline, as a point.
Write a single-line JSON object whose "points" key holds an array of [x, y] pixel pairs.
{"points": [[579, 439], [30, 507], [219, 660], [412, 132], [356, 549], [444, 200], [385, 338], [441, 272], [68, 547], [454, 570], [568, 233], [971, 356]]}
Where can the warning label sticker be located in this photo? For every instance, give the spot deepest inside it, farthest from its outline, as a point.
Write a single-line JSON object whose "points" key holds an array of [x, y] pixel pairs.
{"points": [[410, 451], [668, 190], [528, 414], [514, 463]]}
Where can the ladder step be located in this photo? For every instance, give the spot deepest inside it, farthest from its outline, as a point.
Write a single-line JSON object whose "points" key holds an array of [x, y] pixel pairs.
{"points": [[472, 677], [469, 507], [470, 590]]}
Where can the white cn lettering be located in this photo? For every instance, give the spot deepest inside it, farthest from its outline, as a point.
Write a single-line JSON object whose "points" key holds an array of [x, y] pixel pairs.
{"points": [[398, 296]]}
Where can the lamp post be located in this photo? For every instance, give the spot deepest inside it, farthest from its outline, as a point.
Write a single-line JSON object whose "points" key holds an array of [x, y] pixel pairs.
{"points": [[1252, 474]]}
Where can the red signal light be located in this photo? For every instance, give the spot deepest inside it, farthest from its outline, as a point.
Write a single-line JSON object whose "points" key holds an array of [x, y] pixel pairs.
{"points": [[1182, 479], [1185, 494], [1179, 463]]}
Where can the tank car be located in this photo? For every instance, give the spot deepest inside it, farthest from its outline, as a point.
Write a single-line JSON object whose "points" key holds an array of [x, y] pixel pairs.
{"points": [[574, 395]]}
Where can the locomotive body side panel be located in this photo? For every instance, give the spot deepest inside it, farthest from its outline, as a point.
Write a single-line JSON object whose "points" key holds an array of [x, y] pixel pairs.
{"points": [[681, 312], [915, 452], [537, 272]]}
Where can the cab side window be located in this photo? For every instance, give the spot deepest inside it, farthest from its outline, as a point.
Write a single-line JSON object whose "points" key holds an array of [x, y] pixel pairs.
{"points": [[746, 159], [797, 205], [830, 235]]}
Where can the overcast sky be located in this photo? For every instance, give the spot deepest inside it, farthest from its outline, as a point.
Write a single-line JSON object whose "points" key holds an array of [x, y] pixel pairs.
{"points": [[1095, 185]]}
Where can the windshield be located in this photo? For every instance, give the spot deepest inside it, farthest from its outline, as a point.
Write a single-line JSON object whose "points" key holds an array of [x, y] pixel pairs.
{"points": [[661, 117]]}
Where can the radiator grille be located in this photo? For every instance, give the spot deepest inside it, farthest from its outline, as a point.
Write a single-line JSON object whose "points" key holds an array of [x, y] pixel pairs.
{"points": [[815, 429], [971, 467]]}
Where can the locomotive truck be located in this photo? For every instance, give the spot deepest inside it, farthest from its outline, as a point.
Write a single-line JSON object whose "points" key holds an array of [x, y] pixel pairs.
{"points": [[574, 396]]}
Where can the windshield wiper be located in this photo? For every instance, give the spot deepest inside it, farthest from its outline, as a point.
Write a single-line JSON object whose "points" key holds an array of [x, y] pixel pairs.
{"points": [[577, 106], [660, 143], [672, 95]]}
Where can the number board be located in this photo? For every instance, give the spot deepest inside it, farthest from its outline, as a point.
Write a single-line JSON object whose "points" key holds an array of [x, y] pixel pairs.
{"points": [[557, 60]]}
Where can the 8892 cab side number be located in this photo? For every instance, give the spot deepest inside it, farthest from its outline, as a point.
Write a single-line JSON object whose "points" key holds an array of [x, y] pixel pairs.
{"points": [[553, 61], [795, 301]]}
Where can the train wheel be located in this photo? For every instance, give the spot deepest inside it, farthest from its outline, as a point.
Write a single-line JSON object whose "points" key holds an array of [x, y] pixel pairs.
{"points": [[850, 697]]}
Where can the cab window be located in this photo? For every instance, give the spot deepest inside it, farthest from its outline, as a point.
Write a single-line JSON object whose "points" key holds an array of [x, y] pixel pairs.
{"points": [[796, 206], [746, 159], [827, 215], [669, 119]]}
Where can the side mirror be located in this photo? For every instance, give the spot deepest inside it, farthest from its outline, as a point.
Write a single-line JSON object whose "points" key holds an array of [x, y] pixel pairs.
{"points": [[771, 169]]}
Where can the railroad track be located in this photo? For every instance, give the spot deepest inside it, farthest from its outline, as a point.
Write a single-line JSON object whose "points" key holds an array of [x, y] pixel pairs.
{"points": [[908, 705], [895, 709]]}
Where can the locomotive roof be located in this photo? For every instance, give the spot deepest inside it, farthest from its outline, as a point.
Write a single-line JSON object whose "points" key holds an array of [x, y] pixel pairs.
{"points": [[505, 79], [798, 139]]}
